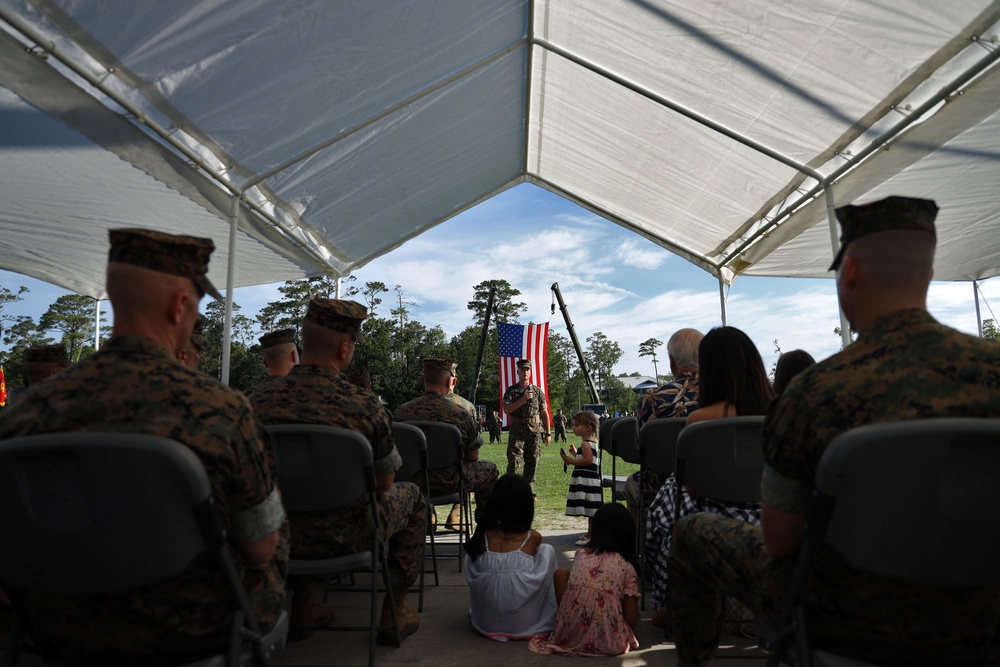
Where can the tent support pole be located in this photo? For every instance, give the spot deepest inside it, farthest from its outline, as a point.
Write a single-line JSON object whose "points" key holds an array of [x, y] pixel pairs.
{"points": [[979, 317], [97, 324], [831, 216], [722, 298], [227, 327]]}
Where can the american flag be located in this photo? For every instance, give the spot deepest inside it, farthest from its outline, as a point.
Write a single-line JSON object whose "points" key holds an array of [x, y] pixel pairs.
{"points": [[520, 341]]}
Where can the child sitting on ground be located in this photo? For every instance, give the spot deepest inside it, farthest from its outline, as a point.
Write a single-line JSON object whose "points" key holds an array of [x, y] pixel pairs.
{"points": [[599, 598], [508, 568]]}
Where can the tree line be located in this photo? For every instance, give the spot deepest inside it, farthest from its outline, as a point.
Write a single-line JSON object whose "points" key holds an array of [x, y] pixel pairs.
{"points": [[396, 342]]}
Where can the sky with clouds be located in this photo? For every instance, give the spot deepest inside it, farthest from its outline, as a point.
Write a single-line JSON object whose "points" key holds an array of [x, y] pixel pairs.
{"points": [[612, 280]]}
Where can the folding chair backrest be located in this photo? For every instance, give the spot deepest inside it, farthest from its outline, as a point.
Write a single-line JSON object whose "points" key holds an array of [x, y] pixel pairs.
{"points": [[917, 500], [722, 458], [412, 447], [444, 443], [658, 444], [87, 513], [315, 466], [623, 440], [604, 433]]}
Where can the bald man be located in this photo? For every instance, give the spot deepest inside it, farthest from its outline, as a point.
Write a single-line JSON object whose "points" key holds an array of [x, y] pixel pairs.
{"points": [[135, 385], [905, 365]]}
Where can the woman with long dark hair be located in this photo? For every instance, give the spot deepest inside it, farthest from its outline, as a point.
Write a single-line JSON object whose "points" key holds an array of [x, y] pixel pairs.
{"points": [[789, 365], [732, 383], [508, 568]]}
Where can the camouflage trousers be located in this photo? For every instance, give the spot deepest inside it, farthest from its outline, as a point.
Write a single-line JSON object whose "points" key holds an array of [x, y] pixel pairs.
{"points": [[874, 618], [710, 557], [560, 433], [480, 478], [402, 515], [523, 448]]}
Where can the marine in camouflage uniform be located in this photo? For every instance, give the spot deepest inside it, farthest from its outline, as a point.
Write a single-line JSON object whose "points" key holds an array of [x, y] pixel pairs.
{"points": [[559, 421], [40, 363], [134, 384], [529, 423], [315, 393], [480, 476], [905, 365]]}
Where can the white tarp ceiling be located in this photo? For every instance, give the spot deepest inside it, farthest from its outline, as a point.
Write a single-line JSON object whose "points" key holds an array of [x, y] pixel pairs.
{"points": [[719, 130]]}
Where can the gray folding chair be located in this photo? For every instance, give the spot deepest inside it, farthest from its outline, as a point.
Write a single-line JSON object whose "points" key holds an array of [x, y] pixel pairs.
{"points": [[327, 469], [412, 447], [657, 455], [97, 514], [610, 442], [445, 448], [721, 460], [912, 500]]}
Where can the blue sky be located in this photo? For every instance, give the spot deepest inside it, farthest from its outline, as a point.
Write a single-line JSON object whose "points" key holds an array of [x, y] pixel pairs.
{"points": [[612, 280]]}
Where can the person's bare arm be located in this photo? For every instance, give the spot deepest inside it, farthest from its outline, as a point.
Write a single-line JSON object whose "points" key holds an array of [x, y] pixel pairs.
{"points": [[384, 482], [783, 531], [259, 552], [630, 610]]}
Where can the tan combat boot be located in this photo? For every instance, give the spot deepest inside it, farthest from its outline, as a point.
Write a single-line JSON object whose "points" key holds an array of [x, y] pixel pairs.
{"points": [[454, 521], [307, 611], [409, 619]]}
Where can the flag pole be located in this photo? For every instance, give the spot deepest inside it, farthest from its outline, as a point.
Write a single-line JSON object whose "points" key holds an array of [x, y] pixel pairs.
{"points": [[482, 345]]}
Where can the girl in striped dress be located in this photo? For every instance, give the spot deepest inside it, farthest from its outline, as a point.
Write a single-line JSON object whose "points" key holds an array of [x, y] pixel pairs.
{"points": [[585, 496]]}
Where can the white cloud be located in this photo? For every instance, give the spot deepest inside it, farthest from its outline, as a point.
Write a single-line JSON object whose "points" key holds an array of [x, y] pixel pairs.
{"points": [[640, 254]]}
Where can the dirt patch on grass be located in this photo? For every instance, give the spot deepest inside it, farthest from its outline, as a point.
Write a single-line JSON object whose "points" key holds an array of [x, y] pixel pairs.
{"points": [[548, 520]]}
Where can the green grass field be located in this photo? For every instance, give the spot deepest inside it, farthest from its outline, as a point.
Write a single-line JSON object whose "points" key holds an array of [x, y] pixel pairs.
{"points": [[551, 483]]}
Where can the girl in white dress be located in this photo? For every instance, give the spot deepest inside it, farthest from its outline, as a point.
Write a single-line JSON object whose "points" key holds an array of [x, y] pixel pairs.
{"points": [[508, 568]]}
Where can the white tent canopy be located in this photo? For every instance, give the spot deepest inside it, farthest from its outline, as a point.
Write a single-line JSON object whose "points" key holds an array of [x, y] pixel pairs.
{"points": [[722, 131]]}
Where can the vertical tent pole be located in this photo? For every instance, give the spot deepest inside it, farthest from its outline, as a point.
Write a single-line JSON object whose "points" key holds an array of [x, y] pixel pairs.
{"points": [[338, 287], [97, 324], [979, 317], [722, 298], [227, 328], [831, 214]]}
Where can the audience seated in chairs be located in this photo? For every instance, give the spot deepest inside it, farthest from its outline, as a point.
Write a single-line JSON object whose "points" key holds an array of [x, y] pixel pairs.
{"points": [[135, 385], [732, 383], [674, 399], [434, 405], [314, 393], [905, 365]]}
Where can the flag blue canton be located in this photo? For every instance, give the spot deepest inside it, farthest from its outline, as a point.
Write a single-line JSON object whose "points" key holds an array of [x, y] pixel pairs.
{"points": [[511, 340]]}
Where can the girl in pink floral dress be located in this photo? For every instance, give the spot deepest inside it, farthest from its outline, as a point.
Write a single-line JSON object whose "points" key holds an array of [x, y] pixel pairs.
{"points": [[599, 598]]}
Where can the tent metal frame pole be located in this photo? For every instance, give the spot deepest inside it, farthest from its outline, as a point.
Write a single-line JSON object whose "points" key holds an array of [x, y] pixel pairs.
{"points": [[975, 296], [831, 216], [722, 298], [97, 325], [227, 327], [529, 65]]}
